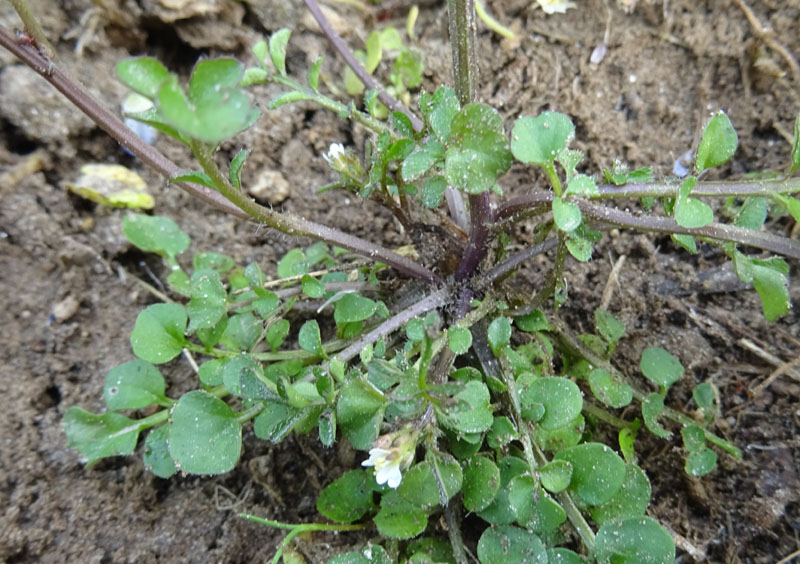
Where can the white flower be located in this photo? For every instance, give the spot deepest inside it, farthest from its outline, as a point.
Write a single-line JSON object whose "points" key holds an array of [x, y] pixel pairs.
{"points": [[335, 155], [387, 466]]}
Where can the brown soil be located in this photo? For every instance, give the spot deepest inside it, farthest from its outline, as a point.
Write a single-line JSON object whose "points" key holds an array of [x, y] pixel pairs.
{"points": [[668, 65]]}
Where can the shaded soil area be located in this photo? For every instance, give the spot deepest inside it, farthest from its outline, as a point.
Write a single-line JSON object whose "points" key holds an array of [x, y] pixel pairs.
{"points": [[70, 295]]}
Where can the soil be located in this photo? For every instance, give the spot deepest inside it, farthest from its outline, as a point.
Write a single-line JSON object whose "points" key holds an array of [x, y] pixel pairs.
{"points": [[70, 291]]}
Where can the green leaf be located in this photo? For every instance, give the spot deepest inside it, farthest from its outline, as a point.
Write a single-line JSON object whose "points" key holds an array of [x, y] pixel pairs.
{"points": [[499, 333], [216, 107], [700, 462], [501, 432], [459, 339], [353, 307], [134, 385], [309, 338], [204, 434], [348, 498], [275, 422], [313, 74], [448, 474], [631, 499], [640, 540], [555, 475], [481, 483], [399, 519], [292, 264], [100, 436], [195, 176], [597, 471], [652, 407], [566, 215], [143, 75], [244, 377], [686, 242], [212, 261], [260, 50], [422, 159], [276, 333], [236, 167], [562, 400], [359, 412], [718, 143], [499, 510], [560, 437], [327, 428], [753, 214], [608, 326], [694, 438], [210, 372], [538, 140], [705, 395], [419, 487], [440, 111], [563, 556], [209, 300], [608, 390], [253, 75], [510, 545], [471, 413], [534, 321], [156, 453], [312, 287], [433, 189], [154, 234], [415, 330], [532, 507], [660, 367], [691, 212], [158, 335], [277, 49], [242, 332], [477, 154], [582, 185], [769, 279]]}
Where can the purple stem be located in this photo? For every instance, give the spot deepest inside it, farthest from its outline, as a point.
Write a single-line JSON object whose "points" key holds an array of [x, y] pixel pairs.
{"points": [[480, 215], [645, 222], [432, 301], [356, 66]]}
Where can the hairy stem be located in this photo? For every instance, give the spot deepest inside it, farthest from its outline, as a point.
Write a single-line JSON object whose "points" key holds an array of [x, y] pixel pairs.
{"points": [[760, 188], [461, 14], [660, 224], [358, 69], [432, 301]]}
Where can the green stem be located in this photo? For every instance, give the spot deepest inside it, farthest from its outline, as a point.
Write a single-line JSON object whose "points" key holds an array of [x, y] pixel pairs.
{"points": [[535, 458], [576, 347], [297, 529], [300, 227], [33, 27], [250, 412], [335, 106], [554, 179]]}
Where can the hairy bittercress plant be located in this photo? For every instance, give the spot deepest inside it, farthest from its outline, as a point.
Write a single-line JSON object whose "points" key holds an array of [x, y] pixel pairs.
{"points": [[464, 396]]}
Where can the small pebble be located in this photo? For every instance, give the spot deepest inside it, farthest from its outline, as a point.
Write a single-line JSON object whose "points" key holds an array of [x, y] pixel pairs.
{"points": [[65, 309]]}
